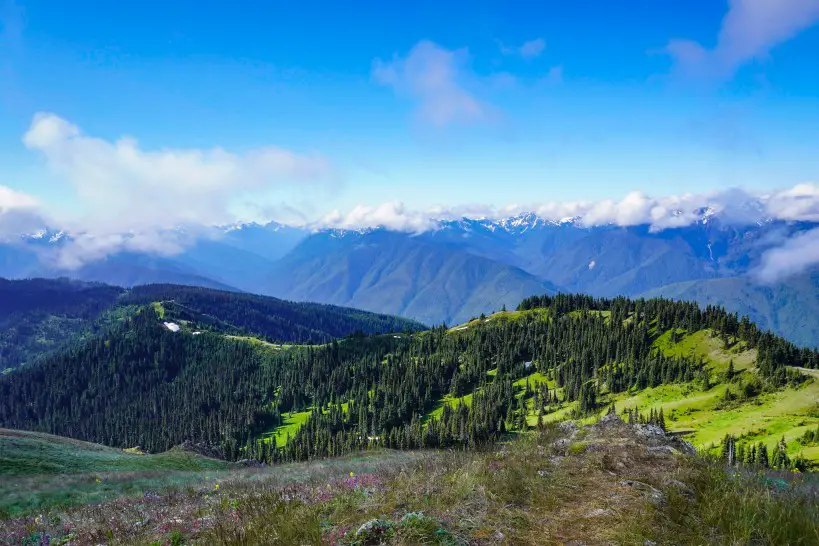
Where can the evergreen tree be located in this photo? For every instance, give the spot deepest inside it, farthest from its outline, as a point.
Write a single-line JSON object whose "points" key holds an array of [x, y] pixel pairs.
{"points": [[762, 456]]}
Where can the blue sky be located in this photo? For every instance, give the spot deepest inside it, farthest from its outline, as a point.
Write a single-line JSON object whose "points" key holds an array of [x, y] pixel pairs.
{"points": [[490, 103]]}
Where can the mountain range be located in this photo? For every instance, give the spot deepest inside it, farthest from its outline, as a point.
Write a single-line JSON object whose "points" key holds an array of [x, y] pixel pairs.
{"points": [[461, 268]]}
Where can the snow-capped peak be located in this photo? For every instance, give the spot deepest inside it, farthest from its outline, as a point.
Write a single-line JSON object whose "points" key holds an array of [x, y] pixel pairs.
{"points": [[239, 226], [521, 223], [43, 236]]}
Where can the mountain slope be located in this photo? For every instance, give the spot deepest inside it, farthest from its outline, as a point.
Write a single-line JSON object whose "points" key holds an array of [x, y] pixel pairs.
{"points": [[711, 261], [270, 241], [265, 317], [130, 269], [399, 274], [555, 358], [785, 307], [41, 316], [26, 453]]}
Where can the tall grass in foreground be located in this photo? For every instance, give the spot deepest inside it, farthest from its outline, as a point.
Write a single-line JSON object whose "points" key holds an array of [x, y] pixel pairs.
{"points": [[748, 508], [529, 491], [520, 495]]}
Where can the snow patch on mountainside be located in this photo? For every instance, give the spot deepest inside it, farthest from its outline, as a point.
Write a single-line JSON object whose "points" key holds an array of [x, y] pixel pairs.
{"points": [[172, 326]]}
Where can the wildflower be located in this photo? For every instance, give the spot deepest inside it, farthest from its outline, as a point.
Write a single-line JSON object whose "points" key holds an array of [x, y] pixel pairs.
{"points": [[352, 474]]}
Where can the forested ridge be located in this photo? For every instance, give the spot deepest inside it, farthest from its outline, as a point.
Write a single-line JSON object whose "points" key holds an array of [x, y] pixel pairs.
{"points": [[39, 317], [142, 384], [42, 315], [268, 318]]}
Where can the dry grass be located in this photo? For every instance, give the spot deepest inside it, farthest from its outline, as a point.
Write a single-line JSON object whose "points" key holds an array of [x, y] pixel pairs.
{"points": [[605, 484]]}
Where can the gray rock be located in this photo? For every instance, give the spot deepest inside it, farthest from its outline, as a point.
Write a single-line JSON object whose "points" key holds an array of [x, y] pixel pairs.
{"points": [[611, 418], [662, 450], [680, 486], [567, 427], [652, 494], [563, 443], [649, 431]]}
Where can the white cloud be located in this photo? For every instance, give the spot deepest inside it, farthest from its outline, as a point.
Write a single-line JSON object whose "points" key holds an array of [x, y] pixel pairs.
{"points": [[798, 203], [782, 257], [390, 215], [750, 29], [437, 79], [794, 256], [19, 214], [148, 193], [735, 206], [13, 199]]}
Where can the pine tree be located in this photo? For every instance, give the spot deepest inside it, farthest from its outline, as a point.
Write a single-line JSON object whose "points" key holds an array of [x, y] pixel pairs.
{"points": [[741, 455], [521, 415], [751, 455], [762, 456], [728, 453], [779, 458]]}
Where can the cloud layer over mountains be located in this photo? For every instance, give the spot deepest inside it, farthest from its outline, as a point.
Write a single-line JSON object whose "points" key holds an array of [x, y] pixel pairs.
{"points": [[142, 232], [736, 206], [134, 199], [162, 201]]}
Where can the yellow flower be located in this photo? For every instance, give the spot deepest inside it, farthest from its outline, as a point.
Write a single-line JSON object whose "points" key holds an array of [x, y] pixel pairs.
{"points": [[352, 474], [217, 486]]}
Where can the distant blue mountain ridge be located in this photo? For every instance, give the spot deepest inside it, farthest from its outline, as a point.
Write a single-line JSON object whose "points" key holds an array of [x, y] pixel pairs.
{"points": [[466, 267]]}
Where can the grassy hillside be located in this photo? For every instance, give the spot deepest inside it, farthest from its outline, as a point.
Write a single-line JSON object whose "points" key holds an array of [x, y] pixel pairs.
{"points": [[701, 415], [605, 483], [522, 372], [704, 415], [24, 453], [41, 470]]}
